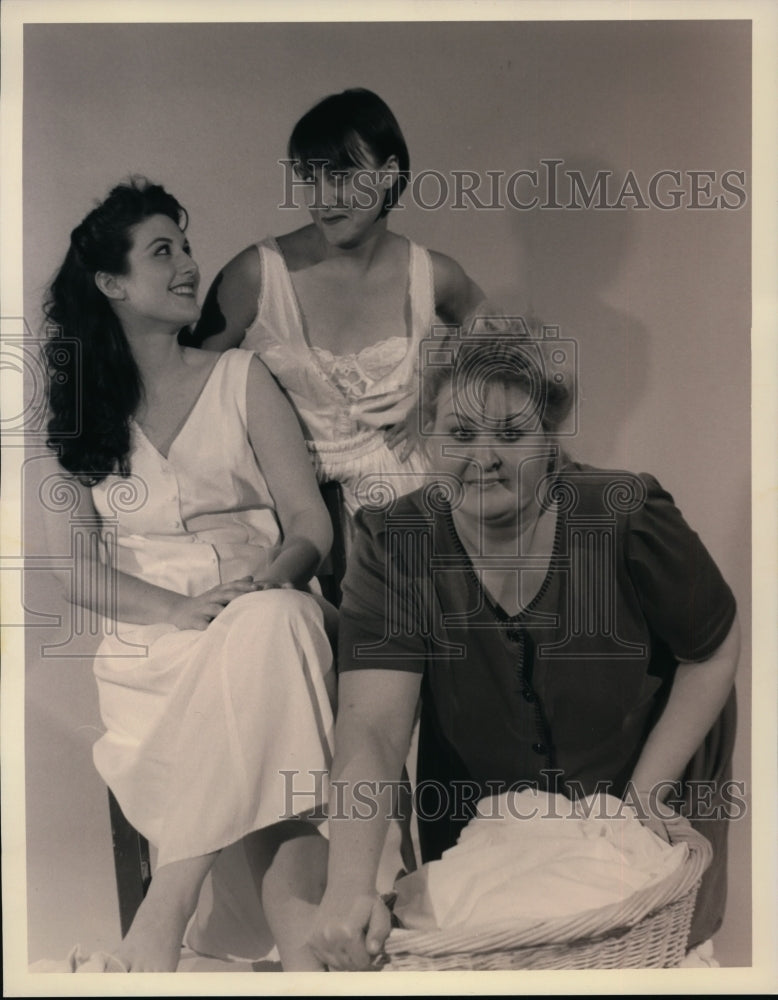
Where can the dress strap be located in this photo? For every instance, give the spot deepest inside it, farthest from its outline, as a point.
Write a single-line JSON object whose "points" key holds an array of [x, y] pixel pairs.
{"points": [[278, 311], [232, 381], [422, 292]]}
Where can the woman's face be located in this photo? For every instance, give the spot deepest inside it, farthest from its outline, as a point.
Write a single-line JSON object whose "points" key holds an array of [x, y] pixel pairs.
{"points": [[345, 204], [497, 451], [161, 281]]}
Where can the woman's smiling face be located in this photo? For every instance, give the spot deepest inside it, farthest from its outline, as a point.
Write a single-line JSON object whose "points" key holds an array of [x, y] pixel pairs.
{"points": [[495, 446], [161, 280]]}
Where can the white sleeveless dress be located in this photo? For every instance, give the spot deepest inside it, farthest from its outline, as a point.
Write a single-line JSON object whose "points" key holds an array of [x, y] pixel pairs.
{"points": [[210, 735], [343, 401]]}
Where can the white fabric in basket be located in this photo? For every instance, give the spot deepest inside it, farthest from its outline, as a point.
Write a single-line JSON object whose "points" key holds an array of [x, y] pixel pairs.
{"points": [[529, 856]]}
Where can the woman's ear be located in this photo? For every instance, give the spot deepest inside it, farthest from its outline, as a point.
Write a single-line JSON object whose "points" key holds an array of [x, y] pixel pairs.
{"points": [[110, 285], [389, 172]]}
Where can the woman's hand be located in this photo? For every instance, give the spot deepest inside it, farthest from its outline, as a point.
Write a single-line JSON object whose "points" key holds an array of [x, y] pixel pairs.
{"points": [[655, 825], [652, 812], [400, 435], [348, 938], [198, 612]]}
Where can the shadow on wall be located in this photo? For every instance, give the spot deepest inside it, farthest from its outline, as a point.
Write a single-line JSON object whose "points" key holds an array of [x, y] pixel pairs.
{"points": [[572, 256]]}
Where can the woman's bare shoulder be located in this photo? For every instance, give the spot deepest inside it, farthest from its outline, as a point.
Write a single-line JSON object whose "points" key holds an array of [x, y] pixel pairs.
{"points": [[231, 303], [456, 294], [243, 269], [447, 270], [301, 248]]}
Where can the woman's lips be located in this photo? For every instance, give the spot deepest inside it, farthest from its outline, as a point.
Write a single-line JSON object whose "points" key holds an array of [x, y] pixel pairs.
{"points": [[484, 484]]}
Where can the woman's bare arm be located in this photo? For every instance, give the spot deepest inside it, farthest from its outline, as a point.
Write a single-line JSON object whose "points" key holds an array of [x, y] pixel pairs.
{"points": [[699, 692], [127, 598], [283, 457], [376, 709], [230, 306], [457, 296], [456, 300]]}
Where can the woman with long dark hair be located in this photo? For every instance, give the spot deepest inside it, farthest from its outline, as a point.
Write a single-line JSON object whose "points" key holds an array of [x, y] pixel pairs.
{"points": [[213, 673]]}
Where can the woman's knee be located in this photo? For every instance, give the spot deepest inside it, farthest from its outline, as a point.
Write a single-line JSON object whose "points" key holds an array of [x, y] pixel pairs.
{"points": [[271, 606], [271, 617]]}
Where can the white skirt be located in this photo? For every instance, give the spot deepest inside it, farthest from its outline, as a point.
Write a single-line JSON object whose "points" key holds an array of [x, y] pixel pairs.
{"points": [[213, 734]]}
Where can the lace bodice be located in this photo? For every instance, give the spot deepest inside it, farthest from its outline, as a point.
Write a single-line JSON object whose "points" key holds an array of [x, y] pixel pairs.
{"points": [[338, 397], [356, 374]]}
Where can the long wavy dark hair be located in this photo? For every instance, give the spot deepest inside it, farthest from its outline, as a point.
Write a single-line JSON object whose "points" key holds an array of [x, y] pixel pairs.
{"points": [[94, 384]]}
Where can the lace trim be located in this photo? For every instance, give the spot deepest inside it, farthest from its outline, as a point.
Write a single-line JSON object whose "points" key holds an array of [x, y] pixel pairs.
{"points": [[356, 373]]}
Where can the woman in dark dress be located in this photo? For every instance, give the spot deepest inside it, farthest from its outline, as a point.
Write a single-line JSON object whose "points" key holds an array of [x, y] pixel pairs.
{"points": [[564, 627]]}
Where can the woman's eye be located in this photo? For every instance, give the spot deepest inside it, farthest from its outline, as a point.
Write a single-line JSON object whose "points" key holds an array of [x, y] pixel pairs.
{"points": [[510, 434], [462, 433], [340, 176], [162, 250]]}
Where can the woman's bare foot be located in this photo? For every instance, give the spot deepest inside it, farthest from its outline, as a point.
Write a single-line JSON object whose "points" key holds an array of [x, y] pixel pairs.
{"points": [[289, 863], [153, 942]]}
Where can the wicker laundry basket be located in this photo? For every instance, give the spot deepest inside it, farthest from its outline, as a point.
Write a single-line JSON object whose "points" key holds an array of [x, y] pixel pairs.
{"points": [[649, 929]]}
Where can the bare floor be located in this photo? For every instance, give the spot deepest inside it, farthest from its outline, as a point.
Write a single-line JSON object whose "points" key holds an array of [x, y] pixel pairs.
{"points": [[197, 963]]}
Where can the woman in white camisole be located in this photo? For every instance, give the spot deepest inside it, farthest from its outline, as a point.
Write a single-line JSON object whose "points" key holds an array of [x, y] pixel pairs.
{"points": [[337, 309]]}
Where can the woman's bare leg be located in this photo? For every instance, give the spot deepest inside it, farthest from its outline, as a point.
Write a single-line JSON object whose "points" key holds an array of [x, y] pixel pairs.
{"points": [[289, 864], [153, 942]]}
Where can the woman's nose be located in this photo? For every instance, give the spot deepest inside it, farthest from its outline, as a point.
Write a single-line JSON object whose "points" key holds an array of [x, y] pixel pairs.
{"points": [[186, 265], [489, 456], [330, 191]]}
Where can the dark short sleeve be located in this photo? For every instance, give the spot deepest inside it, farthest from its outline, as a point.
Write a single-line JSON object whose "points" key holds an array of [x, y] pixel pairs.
{"points": [[683, 595], [380, 626]]}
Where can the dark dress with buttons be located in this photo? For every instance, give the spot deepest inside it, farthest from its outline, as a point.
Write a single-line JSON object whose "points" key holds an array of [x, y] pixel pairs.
{"points": [[562, 695]]}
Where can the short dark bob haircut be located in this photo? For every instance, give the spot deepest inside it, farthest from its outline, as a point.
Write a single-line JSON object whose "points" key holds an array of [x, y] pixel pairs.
{"points": [[343, 130], [496, 350]]}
